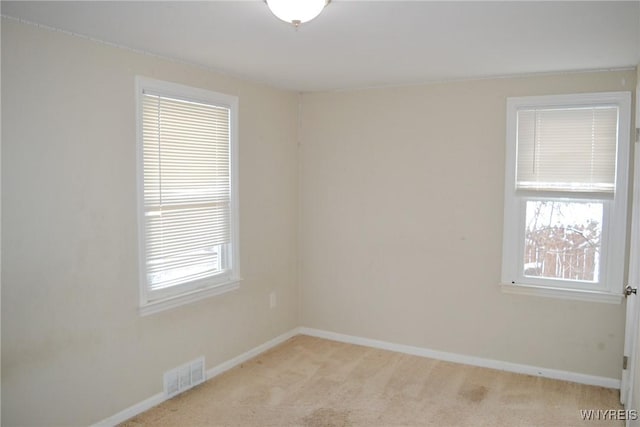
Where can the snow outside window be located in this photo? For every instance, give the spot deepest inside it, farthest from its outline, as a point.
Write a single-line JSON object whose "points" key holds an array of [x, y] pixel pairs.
{"points": [[566, 195]]}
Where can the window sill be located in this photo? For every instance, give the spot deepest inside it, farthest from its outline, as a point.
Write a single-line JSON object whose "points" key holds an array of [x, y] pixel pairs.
{"points": [[570, 294], [186, 298]]}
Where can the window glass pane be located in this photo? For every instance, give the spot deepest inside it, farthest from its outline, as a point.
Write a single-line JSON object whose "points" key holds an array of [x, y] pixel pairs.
{"points": [[187, 190], [563, 240]]}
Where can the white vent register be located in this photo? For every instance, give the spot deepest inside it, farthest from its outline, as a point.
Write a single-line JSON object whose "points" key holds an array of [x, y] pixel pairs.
{"points": [[184, 377]]}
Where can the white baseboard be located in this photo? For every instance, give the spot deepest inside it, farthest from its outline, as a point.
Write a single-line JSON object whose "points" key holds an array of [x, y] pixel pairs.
{"points": [[575, 377], [225, 366], [467, 360], [132, 411], [157, 399]]}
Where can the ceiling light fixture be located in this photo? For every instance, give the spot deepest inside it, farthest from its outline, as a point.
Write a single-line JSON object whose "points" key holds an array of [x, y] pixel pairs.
{"points": [[296, 12]]}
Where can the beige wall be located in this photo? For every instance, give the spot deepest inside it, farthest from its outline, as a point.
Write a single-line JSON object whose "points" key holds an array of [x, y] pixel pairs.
{"points": [[400, 203], [74, 349], [401, 225]]}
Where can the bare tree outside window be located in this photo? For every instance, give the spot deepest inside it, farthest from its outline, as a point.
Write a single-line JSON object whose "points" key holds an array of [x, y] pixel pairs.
{"points": [[563, 240]]}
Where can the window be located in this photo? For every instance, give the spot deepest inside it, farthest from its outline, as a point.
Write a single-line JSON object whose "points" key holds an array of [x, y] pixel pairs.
{"points": [[565, 211], [187, 195]]}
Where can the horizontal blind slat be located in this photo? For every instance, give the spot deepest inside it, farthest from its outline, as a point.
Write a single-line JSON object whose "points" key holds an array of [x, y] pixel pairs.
{"points": [[187, 192], [567, 149]]}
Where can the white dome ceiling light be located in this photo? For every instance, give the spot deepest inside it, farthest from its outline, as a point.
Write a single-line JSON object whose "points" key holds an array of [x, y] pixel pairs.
{"points": [[296, 12]]}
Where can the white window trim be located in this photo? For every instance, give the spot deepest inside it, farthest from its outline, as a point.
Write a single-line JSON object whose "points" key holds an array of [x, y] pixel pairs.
{"points": [[232, 281], [615, 232]]}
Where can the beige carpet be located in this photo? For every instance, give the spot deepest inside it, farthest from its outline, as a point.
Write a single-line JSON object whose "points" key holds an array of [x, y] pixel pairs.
{"points": [[313, 382]]}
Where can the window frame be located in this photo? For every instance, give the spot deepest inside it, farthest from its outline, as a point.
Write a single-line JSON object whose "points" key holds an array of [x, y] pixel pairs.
{"points": [[162, 299], [614, 224]]}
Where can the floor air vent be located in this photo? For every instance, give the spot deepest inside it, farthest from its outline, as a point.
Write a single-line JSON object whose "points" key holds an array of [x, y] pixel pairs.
{"points": [[184, 377]]}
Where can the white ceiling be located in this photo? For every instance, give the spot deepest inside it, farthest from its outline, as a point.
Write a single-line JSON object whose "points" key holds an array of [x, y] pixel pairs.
{"points": [[356, 44]]}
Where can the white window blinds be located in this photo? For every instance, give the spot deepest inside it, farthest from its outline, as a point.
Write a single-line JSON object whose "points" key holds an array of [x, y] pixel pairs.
{"points": [[567, 149], [187, 193]]}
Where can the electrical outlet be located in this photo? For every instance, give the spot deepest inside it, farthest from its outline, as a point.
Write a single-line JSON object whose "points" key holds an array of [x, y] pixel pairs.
{"points": [[272, 300]]}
